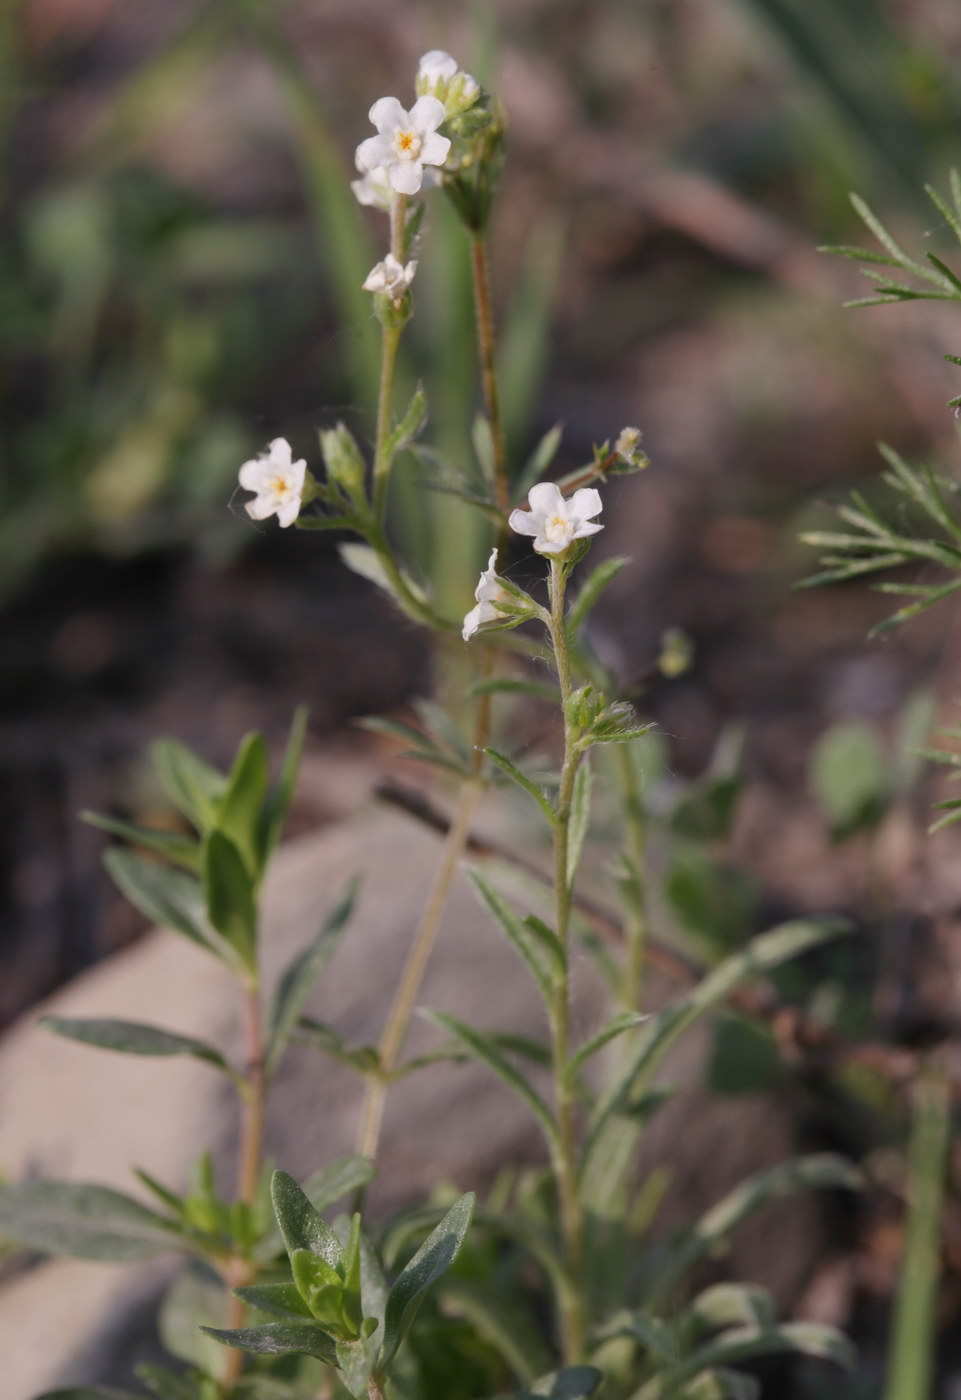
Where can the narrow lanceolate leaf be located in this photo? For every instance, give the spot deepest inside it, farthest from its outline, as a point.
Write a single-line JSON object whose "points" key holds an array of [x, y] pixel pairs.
{"points": [[524, 783], [348, 1174], [231, 904], [430, 1263], [570, 1383], [580, 819], [517, 685], [279, 1299], [297, 981], [193, 786], [240, 812], [482, 1048], [88, 1392], [132, 1038], [911, 1354], [819, 1171], [661, 1031], [278, 800], [86, 1222], [180, 849], [170, 898], [279, 1339], [597, 580], [300, 1225], [743, 1344], [625, 1021], [545, 964], [502, 1320]]}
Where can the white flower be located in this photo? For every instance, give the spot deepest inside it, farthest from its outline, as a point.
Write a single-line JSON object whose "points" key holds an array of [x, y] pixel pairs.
{"points": [[405, 141], [391, 277], [278, 483], [438, 76], [374, 188], [628, 447], [555, 522], [489, 592]]}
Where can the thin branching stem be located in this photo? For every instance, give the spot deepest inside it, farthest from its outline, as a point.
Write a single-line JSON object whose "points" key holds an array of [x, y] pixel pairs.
{"points": [[391, 333], [565, 1163]]}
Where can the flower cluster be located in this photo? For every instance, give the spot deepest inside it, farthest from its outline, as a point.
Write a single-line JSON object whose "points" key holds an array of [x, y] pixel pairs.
{"points": [[554, 522]]}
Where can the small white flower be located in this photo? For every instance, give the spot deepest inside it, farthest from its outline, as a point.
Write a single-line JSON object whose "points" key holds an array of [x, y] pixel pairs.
{"points": [[278, 483], [405, 141], [489, 592], [374, 189], [555, 522], [391, 277], [439, 76]]}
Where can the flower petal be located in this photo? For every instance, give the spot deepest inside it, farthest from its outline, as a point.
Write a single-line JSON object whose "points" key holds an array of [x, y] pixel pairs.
{"points": [[259, 508], [279, 453], [546, 498], [288, 513], [471, 623], [426, 114], [586, 503], [406, 176], [550, 546], [437, 64], [434, 149], [298, 475], [522, 522], [254, 474], [374, 152], [387, 115], [586, 528]]}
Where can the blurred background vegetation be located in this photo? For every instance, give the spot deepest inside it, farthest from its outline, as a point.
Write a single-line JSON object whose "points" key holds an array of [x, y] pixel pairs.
{"points": [[180, 270]]}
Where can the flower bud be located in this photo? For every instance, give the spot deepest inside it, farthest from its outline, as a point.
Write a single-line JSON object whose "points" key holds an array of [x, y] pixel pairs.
{"points": [[439, 76], [628, 448], [345, 465]]}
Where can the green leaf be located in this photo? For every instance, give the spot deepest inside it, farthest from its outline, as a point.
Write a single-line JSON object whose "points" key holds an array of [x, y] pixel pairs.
{"points": [[545, 959], [279, 1339], [849, 776], [482, 1048], [430, 1263], [818, 1171], [83, 1221], [298, 979], [408, 427], [911, 1351], [516, 685], [280, 1299], [597, 580], [743, 1344], [170, 898], [524, 783], [580, 818], [624, 1021], [231, 904], [502, 1320], [88, 1392], [714, 900], [721, 1385], [280, 795], [348, 1174], [538, 463], [193, 786], [240, 813], [660, 1031], [195, 1298], [727, 1305], [132, 1038], [570, 1383], [180, 849], [301, 1227]]}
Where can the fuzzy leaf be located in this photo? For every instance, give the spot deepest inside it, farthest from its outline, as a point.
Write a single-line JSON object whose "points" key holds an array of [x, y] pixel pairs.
{"points": [[300, 1225], [278, 799], [169, 898], [231, 904], [430, 1263], [279, 1339], [180, 849], [545, 963], [132, 1038], [240, 814], [193, 786], [83, 1221], [524, 783], [298, 980], [280, 1299]]}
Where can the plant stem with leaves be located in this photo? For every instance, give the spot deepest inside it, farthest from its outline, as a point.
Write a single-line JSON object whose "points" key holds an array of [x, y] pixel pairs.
{"points": [[565, 1168]]}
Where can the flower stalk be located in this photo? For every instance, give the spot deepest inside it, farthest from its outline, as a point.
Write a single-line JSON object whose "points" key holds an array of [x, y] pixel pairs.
{"points": [[565, 1169]]}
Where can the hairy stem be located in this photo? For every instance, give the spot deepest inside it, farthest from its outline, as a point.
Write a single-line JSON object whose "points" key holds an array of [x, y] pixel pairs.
{"points": [[565, 1154], [484, 311], [241, 1270], [389, 343]]}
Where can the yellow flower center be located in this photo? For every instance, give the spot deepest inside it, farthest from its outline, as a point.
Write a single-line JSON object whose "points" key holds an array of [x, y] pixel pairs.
{"points": [[407, 144], [557, 528]]}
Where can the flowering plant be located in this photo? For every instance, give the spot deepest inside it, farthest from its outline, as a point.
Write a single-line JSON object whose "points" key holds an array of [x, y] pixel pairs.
{"points": [[554, 1283]]}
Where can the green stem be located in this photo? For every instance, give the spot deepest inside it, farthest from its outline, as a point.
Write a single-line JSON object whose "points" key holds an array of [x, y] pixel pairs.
{"points": [[635, 922], [565, 1154], [241, 1270], [486, 347]]}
